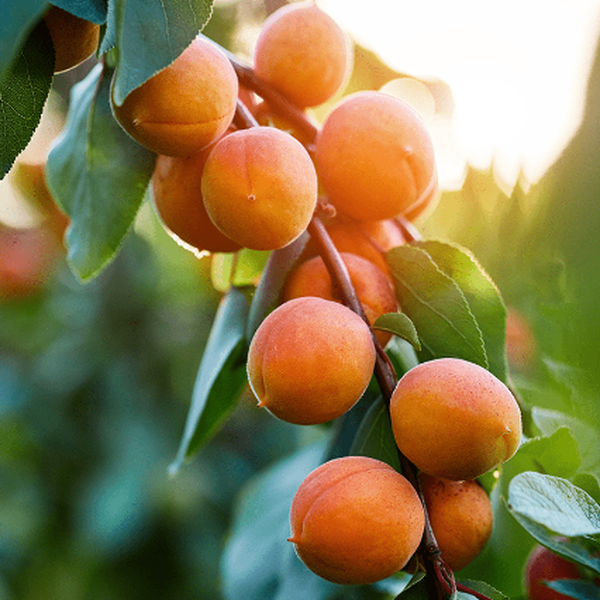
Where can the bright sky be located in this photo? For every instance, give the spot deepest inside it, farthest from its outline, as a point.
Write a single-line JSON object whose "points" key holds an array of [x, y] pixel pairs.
{"points": [[517, 69]]}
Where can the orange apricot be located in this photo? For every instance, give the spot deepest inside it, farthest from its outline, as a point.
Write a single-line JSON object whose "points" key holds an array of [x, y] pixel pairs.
{"points": [[544, 565], [373, 288], [521, 346], [375, 157], [454, 419], [310, 361], [303, 52], [186, 106], [461, 516], [180, 206], [260, 187], [74, 39], [355, 520]]}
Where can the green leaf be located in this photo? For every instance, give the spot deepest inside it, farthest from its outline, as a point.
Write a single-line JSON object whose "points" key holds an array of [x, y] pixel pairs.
{"points": [[555, 503], [271, 283], [436, 305], [484, 588], [23, 93], [556, 454], [400, 325], [375, 437], [482, 295], [416, 588], [257, 558], [149, 35], [18, 18], [240, 269], [99, 176], [90, 10], [581, 590], [218, 380]]}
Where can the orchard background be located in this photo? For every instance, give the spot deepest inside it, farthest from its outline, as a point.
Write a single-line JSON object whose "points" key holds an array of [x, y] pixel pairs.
{"points": [[100, 392]]}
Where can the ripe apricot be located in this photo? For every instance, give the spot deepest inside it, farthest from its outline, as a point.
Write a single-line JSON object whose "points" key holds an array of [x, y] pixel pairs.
{"points": [[260, 187], [355, 520], [373, 288], [186, 106], [521, 346], [461, 516], [303, 52], [375, 156], [543, 565], [74, 39], [310, 360], [454, 419], [179, 203]]}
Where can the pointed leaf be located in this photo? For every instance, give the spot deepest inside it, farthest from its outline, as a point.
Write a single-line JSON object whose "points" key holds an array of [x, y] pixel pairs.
{"points": [[23, 93], [484, 588], [222, 363], [555, 503], [481, 293], [149, 35], [98, 175], [18, 18], [436, 305], [90, 10], [400, 325], [375, 437], [580, 590]]}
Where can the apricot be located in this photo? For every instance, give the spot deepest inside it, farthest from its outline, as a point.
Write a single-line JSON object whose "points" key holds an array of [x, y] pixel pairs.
{"points": [[521, 345], [543, 565], [302, 52], [373, 288], [375, 156], [180, 206], [310, 360], [186, 106], [260, 187], [454, 419], [355, 520], [461, 516], [74, 39]]}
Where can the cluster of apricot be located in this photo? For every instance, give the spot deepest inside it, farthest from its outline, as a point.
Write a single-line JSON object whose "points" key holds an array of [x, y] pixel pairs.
{"points": [[219, 187]]}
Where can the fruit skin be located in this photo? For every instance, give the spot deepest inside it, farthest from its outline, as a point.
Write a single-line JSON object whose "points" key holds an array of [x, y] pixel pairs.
{"points": [[179, 203], [375, 157], [461, 516], [310, 361], [74, 39], [544, 565], [373, 288], [186, 106], [355, 520], [260, 187], [454, 419], [303, 52]]}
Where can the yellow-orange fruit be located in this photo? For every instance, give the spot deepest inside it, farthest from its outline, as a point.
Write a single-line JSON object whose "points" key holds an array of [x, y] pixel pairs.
{"points": [[355, 520], [369, 239], [372, 286], [260, 187], [303, 52], [74, 39], [186, 106], [454, 419], [178, 200], [375, 156], [310, 360], [521, 346], [461, 516]]}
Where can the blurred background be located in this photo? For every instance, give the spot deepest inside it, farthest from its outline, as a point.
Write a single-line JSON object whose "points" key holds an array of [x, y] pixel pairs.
{"points": [[96, 380]]}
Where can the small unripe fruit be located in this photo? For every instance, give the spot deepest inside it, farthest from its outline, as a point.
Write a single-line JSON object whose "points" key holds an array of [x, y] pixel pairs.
{"points": [[302, 52], [355, 520], [186, 106], [373, 288], [454, 419], [310, 360], [74, 39], [179, 203], [260, 187], [543, 565], [375, 157], [461, 516]]}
